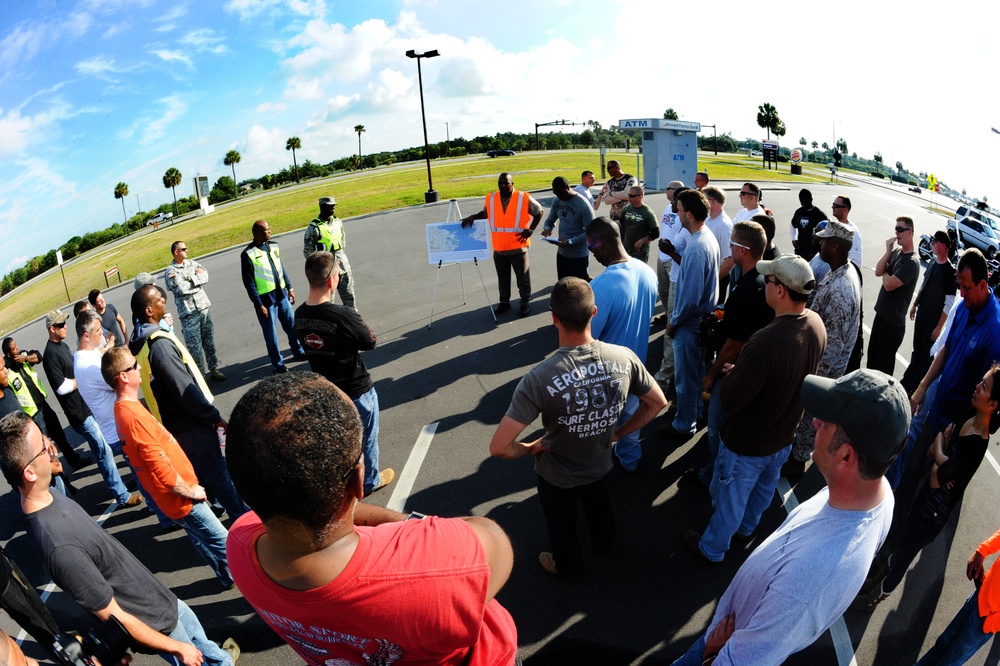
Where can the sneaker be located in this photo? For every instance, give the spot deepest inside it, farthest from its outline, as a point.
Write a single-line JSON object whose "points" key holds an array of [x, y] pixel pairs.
{"points": [[280, 370], [135, 499], [691, 478], [300, 357], [866, 602], [740, 539], [232, 649], [216, 375], [548, 562], [385, 477], [525, 310], [691, 541], [501, 308]]}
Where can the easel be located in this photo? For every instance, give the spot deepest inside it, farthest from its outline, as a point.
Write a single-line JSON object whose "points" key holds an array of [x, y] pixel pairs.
{"points": [[455, 215]]}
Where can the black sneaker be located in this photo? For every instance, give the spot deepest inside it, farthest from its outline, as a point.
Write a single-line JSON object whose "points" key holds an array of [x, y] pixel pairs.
{"points": [[668, 432], [501, 308], [525, 309]]}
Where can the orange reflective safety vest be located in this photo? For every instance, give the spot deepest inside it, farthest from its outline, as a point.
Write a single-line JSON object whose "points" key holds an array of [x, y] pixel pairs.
{"points": [[505, 225]]}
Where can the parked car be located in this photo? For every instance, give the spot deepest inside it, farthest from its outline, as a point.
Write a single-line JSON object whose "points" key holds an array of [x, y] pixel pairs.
{"points": [[914, 188], [977, 228], [500, 152], [159, 217]]}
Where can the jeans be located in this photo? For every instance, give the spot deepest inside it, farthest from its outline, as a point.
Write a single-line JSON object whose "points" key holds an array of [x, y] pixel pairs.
{"points": [[346, 285], [716, 415], [627, 448], [201, 445], [209, 539], [559, 507], [282, 311], [689, 368], [199, 336], [189, 630], [920, 359], [927, 417], [105, 458], [518, 261], [742, 487], [367, 405], [961, 640], [917, 533], [666, 371], [572, 267]]}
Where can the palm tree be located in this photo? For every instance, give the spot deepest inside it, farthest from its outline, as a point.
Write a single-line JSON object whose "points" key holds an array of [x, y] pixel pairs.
{"points": [[899, 167], [359, 129], [670, 114], [121, 191], [231, 159], [803, 142], [815, 145], [294, 144], [842, 146], [171, 179], [767, 118]]}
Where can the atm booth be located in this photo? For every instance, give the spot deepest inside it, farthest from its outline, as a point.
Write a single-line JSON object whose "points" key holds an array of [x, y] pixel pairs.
{"points": [[669, 149]]}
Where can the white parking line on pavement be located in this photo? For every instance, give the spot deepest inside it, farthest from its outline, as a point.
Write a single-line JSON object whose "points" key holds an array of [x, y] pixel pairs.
{"points": [[404, 486]]}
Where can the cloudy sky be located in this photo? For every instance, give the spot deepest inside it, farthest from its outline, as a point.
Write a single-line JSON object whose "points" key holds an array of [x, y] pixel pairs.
{"points": [[93, 92]]}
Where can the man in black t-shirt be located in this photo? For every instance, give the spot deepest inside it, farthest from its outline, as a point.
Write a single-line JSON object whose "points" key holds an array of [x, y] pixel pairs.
{"points": [[111, 321], [746, 313], [804, 223], [334, 337], [930, 309], [90, 565]]}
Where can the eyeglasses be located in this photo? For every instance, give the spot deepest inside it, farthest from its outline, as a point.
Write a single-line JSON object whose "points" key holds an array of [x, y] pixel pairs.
{"points": [[62, 325], [182, 249], [837, 205], [343, 477], [46, 448], [748, 194], [776, 282], [593, 246], [734, 243], [130, 369], [900, 230], [633, 196]]}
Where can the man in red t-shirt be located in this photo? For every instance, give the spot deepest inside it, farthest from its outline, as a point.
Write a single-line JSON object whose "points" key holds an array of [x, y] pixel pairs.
{"points": [[342, 580], [161, 465]]}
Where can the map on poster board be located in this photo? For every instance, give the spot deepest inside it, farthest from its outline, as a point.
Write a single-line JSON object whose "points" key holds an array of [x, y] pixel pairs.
{"points": [[448, 242]]}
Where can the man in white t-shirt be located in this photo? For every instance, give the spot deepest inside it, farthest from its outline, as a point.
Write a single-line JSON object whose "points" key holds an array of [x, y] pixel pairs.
{"points": [[805, 575], [721, 226], [583, 189], [750, 200], [673, 237]]}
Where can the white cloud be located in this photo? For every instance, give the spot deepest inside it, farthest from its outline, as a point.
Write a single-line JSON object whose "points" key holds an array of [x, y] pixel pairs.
{"points": [[18, 130], [271, 107], [148, 127], [248, 9], [99, 66], [16, 262], [204, 40], [173, 56]]}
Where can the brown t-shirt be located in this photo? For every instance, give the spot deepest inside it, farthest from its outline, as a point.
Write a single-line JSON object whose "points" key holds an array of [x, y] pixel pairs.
{"points": [[762, 394]]}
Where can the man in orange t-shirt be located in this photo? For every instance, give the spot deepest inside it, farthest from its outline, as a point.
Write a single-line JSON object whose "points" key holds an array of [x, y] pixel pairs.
{"points": [[163, 469], [978, 619]]}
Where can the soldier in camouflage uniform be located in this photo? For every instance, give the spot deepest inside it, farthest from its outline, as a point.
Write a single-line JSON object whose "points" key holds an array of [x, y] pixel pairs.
{"points": [[186, 279]]}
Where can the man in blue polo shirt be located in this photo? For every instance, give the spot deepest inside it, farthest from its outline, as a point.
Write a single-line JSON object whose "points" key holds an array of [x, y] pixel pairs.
{"points": [[972, 346]]}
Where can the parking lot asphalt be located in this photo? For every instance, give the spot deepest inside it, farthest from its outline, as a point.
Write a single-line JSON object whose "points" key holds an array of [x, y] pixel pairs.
{"points": [[444, 388]]}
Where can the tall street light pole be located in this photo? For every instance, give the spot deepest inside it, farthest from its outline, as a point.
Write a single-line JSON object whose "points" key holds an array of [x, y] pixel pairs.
{"points": [[430, 196]]}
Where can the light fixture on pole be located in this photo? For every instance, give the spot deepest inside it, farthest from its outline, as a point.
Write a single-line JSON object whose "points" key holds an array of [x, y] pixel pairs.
{"points": [[431, 195]]}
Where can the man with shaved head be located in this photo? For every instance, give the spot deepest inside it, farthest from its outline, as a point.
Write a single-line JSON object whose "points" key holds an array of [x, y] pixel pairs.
{"points": [[271, 293], [639, 226], [177, 394], [511, 227], [573, 213]]}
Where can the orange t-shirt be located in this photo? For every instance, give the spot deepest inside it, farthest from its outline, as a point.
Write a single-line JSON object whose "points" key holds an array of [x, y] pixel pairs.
{"points": [[155, 456], [989, 593]]}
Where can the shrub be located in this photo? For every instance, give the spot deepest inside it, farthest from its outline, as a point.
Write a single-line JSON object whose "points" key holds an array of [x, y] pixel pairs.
{"points": [[876, 174]]}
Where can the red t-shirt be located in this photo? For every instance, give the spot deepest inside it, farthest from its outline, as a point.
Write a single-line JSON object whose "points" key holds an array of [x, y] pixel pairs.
{"points": [[155, 456], [414, 592]]}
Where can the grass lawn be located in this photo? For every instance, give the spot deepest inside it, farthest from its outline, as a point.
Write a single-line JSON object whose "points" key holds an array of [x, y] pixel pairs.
{"points": [[368, 192]]}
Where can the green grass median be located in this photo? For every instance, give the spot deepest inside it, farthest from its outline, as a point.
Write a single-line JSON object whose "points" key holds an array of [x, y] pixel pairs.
{"points": [[357, 194]]}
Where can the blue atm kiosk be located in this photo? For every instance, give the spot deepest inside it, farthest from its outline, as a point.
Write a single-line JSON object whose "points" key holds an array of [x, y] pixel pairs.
{"points": [[669, 149]]}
